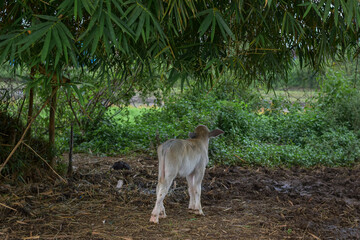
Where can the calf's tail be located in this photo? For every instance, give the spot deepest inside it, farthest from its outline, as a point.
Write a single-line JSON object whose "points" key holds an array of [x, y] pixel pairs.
{"points": [[161, 156]]}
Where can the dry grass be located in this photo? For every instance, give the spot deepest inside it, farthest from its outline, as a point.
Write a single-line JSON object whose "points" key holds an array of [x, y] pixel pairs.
{"points": [[239, 203]]}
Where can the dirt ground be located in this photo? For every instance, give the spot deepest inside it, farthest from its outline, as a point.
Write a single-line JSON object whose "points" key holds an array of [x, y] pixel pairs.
{"points": [[238, 202]]}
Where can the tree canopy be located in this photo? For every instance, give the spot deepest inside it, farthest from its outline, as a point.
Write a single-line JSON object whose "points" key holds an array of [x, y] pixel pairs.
{"points": [[253, 39]]}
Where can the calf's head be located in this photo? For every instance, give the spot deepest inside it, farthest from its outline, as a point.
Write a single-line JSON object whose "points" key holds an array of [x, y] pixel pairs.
{"points": [[202, 132]]}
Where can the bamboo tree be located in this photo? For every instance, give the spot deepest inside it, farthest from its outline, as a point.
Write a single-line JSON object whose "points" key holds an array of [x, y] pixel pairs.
{"points": [[250, 39]]}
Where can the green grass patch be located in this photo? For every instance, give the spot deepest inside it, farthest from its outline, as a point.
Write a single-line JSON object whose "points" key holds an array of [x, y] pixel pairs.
{"points": [[126, 114]]}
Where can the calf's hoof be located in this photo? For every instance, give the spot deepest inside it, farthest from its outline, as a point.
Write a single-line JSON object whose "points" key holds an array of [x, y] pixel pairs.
{"points": [[197, 212], [154, 219]]}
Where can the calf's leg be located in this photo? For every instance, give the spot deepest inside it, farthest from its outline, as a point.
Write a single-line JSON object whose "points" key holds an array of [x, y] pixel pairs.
{"points": [[161, 191], [190, 180], [197, 191]]}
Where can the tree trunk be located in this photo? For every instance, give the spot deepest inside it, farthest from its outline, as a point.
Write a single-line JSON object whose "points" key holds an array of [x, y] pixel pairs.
{"points": [[30, 109], [71, 144], [31, 102], [52, 126]]}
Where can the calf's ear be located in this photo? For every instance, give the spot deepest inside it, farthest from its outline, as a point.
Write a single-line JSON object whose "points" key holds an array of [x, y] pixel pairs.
{"points": [[215, 133], [192, 135]]}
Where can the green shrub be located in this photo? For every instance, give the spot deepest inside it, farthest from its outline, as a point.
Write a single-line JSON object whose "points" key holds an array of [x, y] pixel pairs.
{"points": [[335, 147], [235, 120], [340, 100]]}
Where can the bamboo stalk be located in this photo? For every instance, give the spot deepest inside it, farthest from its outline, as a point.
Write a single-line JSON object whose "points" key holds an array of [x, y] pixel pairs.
{"points": [[71, 144]]}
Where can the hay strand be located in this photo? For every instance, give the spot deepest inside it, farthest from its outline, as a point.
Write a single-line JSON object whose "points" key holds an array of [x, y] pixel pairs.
{"points": [[44, 162]]}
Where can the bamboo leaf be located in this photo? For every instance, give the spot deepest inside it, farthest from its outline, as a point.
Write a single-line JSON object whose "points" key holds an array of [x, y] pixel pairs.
{"points": [[130, 9], [336, 12], [283, 24], [32, 38], [73, 58], [93, 20], [87, 41], [78, 94], [125, 45], [45, 49], [66, 54], [95, 41], [223, 25], [57, 58], [46, 17], [148, 28], [57, 39], [87, 5], [75, 8], [205, 24], [5, 52], [210, 63], [307, 10], [213, 28], [80, 9], [66, 30], [155, 22], [39, 26], [327, 10], [13, 52], [350, 13], [3, 43], [118, 7], [65, 41], [101, 25], [111, 30], [134, 15], [64, 6], [121, 24], [106, 43], [140, 27], [316, 10], [7, 37], [207, 11], [357, 19]]}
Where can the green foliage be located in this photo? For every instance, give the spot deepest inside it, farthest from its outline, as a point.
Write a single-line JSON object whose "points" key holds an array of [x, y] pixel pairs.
{"points": [[198, 39], [297, 137], [101, 137]]}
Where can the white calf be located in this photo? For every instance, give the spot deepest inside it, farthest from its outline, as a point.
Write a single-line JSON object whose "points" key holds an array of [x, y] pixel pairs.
{"points": [[187, 158]]}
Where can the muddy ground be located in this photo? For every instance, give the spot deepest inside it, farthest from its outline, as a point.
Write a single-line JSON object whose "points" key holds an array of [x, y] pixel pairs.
{"points": [[238, 202]]}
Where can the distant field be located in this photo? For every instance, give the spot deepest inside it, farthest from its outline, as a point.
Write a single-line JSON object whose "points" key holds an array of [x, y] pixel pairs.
{"points": [[300, 95], [129, 113]]}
